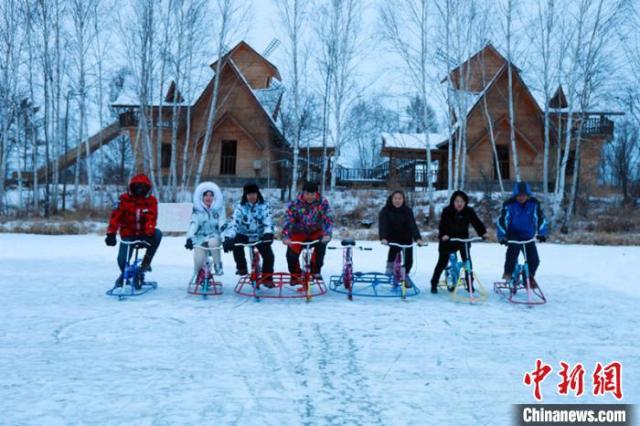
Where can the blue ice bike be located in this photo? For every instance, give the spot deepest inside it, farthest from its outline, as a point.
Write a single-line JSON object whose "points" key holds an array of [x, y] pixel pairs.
{"points": [[459, 277], [133, 282]]}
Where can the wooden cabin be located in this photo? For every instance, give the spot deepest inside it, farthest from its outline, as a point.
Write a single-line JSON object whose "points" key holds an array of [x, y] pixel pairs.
{"points": [[407, 159], [482, 81], [246, 144]]}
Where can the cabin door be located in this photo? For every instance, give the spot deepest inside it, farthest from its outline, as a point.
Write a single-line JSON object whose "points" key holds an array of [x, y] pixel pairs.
{"points": [[228, 157]]}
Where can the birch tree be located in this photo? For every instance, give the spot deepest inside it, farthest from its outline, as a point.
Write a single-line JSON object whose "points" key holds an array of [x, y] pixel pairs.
{"points": [[510, 9], [294, 17], [405, 25], [230, 15]]}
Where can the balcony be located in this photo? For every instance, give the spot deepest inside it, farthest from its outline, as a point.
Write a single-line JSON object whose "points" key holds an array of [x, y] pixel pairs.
{"points": [[596, 126]]}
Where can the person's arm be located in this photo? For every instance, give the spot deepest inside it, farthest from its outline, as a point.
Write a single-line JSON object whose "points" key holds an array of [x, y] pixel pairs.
{"points": [[232, 228], [477, 223], [502, 224], [541, 221], [114, 219], [442, 226], [327, 221], [383, 226], [268, 220], [415, 232], [193, 225], [289, 220], [152, 217]]}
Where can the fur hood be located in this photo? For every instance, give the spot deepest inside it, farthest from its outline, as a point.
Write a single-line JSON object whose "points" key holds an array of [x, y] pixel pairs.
{"points": [[218, 202]]}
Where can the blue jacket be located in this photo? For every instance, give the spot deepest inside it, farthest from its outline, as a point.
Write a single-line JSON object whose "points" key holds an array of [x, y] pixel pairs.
{"points": [[521, 222]]}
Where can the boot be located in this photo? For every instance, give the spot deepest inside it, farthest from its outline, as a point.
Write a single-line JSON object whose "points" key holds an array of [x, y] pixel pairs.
{"points": [[267, 280], [242, 272], [434, 288], [146, 264], [119, 281], [532, 283], [217, 269], [389, 269]]}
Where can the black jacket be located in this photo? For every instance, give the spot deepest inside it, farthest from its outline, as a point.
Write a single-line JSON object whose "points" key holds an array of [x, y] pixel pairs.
{"points": [[456, 224], [397, 225]]}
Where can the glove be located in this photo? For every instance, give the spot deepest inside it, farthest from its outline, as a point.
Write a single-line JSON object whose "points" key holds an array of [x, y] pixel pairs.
{"points": [[268, 238], [189, 244], [228, 245], [110, 240], [503, 241], [541, 238]]}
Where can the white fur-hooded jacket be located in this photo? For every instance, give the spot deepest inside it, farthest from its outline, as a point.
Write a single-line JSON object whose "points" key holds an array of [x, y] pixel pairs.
{"points": [[206, 222]]}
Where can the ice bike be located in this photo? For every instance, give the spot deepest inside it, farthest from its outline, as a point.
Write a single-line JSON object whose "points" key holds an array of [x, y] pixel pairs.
{"points": [[282, 284], [367, 283], [133, 282], [459, 277], [521, 280], [203, 283], [401, 279]]}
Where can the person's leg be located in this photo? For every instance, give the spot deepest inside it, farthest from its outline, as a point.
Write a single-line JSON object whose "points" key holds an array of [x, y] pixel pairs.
{"points": [[293, 254], [408, 264], [199, 257], [319, 249], [408, 259], [122, 255], [154, 240], [513, 250], [532, 258], [443, 259], [239, 255], [214, 248], [267, 257], [391, 257]]}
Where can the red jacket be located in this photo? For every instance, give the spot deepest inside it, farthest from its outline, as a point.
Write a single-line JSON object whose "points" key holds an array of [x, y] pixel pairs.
{"points": [[135, 216]]}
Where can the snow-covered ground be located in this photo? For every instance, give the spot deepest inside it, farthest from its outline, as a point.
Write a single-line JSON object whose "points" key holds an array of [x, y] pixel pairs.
{"points": [[69, 354]]}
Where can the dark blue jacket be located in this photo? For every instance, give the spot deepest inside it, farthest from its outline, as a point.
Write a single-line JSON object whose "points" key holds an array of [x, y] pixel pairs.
{"points": [[521, 222]]}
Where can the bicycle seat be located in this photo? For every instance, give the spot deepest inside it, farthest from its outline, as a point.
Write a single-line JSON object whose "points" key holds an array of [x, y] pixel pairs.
{"points": [[348, 242]]}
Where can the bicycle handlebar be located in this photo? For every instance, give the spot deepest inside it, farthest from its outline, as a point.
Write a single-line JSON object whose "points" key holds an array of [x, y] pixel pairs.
{"points": [[207, 248], [130, 243], [405, 245], [253, 244], [355, 247], [533, 240], [466, 240], [304, 243]]}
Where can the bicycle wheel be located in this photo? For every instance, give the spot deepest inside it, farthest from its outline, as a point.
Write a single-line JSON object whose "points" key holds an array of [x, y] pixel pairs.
{"points": [[450, 280]]}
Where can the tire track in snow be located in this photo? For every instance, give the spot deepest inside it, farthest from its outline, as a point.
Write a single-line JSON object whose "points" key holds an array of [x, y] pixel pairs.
{"points": [[340, 389]]}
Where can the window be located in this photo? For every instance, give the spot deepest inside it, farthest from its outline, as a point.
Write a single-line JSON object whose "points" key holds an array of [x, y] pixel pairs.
{"points": [[165, 156], [228, 157], [571, 163], [503, 162]]}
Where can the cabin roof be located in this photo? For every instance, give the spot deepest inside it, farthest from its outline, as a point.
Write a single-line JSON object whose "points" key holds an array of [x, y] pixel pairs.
{"points": [[411, 141], [244, 45]]}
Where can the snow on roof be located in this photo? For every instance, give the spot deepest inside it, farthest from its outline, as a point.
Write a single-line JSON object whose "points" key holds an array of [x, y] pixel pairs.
{"points": [[412, 140], [316, 142], [200, 78], [270, 97]]}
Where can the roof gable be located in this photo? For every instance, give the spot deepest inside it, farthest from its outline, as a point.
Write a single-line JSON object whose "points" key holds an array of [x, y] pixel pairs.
{"points": [[244, 48]]}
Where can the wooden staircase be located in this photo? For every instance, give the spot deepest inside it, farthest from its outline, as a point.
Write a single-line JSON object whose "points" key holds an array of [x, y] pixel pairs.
{"points": [[96, 141]]}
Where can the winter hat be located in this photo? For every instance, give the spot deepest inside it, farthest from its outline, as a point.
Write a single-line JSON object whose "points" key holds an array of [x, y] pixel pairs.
{"points": [[250, 188], [310, 187], [521, 188]]}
